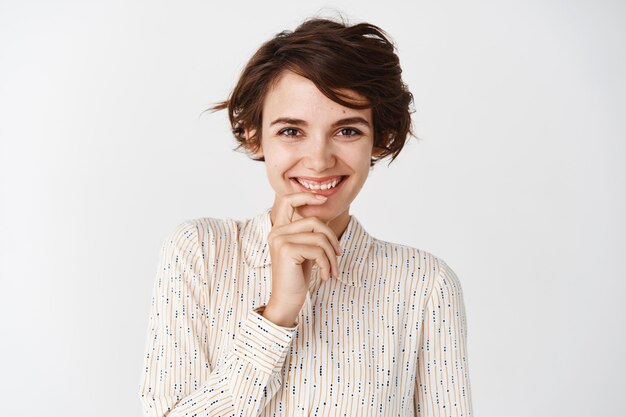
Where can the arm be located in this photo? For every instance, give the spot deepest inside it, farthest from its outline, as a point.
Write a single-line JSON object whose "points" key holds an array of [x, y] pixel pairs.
{"points": [[442, 387], [177, 378]]}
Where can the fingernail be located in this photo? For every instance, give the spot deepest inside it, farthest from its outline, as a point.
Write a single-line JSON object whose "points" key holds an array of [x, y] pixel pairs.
{"points": [[320, 197]]}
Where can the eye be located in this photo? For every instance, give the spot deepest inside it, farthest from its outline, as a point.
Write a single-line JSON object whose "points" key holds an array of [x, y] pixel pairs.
{"points": [[289, 132], [349, 132]]}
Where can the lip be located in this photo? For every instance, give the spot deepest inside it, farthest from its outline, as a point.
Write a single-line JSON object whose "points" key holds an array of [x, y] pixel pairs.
{"points": [[326, 193], [319, 179]]}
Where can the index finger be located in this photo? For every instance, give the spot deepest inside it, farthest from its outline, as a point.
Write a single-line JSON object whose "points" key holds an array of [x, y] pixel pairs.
{"points": [[286, 207]]}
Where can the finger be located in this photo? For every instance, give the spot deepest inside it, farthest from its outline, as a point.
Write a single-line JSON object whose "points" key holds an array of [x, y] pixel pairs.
{"points": [[302, 252], [317, 239], [309, 224], [287, 204]]}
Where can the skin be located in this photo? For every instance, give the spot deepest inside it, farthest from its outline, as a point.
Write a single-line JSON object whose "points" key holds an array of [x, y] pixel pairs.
{"points": [[315, 142]]}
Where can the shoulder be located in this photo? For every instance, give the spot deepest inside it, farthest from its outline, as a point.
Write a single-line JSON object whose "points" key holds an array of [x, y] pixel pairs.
{"points": [[398, 253], [200, 232], [417, 263]]}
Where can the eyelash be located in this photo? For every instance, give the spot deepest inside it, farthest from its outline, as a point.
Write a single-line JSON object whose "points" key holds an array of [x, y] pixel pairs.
{"points": [[356, 131]]}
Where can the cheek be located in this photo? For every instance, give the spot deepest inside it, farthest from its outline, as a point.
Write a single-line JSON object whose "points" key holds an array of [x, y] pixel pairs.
{"points": [[359, 159], [277, 162], [280, 158]]}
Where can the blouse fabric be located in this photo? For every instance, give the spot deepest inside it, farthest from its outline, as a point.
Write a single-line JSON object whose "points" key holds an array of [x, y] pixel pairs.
{"points": [[385, 338]]}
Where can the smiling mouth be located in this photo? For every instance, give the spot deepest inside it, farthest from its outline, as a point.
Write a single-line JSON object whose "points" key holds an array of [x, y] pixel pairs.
{"points": [[325, 188], [319, 186]]}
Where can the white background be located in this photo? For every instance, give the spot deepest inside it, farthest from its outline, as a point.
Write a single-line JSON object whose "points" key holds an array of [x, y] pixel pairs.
{"points": [[518, 183]]}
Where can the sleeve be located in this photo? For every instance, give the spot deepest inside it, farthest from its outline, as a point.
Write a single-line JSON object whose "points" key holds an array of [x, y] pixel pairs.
{"points": [[442, 387], [177, 378]]}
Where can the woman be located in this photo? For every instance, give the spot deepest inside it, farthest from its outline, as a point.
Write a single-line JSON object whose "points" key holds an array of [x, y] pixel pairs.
{"points": [[299, 311]]}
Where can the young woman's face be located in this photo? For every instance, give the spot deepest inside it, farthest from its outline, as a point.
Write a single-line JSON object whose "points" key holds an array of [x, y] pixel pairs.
{"points": [[310, 138]]}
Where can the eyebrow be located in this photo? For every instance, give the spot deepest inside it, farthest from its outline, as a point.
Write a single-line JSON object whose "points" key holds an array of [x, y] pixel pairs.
{"points": [[299, 122]]}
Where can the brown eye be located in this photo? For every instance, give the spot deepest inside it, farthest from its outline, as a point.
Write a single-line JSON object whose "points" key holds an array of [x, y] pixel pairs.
{"points": [[350, 132], [290, 131]]}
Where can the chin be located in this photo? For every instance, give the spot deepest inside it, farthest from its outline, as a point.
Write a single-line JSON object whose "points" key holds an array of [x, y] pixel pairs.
{"points": [[311, 210], [324, 212]]}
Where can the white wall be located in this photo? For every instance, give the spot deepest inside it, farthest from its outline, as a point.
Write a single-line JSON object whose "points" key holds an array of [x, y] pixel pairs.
{"points": [[518, 183]]}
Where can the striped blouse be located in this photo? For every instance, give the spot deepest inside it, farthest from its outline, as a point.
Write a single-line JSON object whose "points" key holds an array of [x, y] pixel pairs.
{"points": [[385, 338]]}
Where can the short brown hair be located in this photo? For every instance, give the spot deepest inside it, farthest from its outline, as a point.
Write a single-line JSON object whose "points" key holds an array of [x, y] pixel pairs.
{"points": [[334, 56]]}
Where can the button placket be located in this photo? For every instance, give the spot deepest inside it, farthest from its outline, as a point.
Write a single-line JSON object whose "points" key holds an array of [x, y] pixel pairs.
{"points": [[303, 354], [308, 369], [314, 278]]}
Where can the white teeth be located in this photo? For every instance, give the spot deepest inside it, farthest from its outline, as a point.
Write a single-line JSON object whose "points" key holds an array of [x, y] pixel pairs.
{"points": [[318, 187]]}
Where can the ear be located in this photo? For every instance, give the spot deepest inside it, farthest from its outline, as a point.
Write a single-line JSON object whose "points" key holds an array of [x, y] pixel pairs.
{"points": [[250, 133]]}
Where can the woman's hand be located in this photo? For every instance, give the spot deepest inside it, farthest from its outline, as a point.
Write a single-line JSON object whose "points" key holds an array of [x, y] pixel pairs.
{"points": [[296, 243]]}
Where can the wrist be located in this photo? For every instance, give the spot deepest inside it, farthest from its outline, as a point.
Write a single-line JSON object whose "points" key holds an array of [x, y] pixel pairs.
{"points": [[283, 317]]}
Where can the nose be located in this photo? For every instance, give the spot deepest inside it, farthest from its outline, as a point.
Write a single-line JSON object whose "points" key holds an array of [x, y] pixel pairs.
{"points": [[319, 155]]}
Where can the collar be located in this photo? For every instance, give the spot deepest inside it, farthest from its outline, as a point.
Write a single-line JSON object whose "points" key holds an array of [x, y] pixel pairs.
{"points": [[357, 245]]}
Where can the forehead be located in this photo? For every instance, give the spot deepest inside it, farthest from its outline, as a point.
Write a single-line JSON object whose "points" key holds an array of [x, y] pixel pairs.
{"points": [[291, 93]]}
